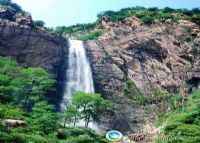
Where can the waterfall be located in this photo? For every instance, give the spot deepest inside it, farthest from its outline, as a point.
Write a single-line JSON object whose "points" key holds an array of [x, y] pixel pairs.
{"points": [[79, 76]]}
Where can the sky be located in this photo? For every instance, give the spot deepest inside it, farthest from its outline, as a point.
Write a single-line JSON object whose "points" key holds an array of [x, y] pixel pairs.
{"points": [[69, 12]]}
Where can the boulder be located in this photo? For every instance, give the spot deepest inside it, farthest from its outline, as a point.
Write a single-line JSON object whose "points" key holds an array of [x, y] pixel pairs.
{"points": [[14, 123]]}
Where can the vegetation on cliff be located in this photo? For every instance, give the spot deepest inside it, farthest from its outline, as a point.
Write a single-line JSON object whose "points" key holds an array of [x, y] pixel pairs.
{"points": [[182, 123], [10, 4], [146, 15]]}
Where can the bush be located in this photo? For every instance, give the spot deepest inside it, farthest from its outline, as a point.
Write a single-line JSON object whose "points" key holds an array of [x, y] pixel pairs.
{"points": [[196, 18], [39, 23], [176, 102], [196, 10], [147, 20], [184, 123], [90, 36], [154, 9], [9, 3], [80, 135], [169, 10], [131, 91], [140, 15]]}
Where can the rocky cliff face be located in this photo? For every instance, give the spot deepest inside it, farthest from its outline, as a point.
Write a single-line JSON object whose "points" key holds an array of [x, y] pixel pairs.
{"points": [[30, 45], [154, 57]]}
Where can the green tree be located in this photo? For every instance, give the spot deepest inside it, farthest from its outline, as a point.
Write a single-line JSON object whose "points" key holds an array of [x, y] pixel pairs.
{"points": [[34, 84], [10, 112], [22, 85], [9, 73], [70, 116], [90, 105], [43, 118]]}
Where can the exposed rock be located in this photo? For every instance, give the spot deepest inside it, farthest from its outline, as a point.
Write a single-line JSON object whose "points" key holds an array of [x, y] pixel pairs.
{"points": [[31, 47], [14, 123], [24, 19], [154, 57]]}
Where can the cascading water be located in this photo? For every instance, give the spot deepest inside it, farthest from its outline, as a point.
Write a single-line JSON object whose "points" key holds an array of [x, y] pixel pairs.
{"points": [[79, 76]]}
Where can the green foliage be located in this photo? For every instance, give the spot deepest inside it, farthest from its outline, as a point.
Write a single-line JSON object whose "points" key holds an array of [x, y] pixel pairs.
{"points": [[196, 18], [147, 20], [154, 9], [80, 135], [176, 102], [22, 85], [75, 28], [43, 118], [39, 23], [10, 4], [159, 95], [147, 16], [184, 123], [89, 105], [70, 115], [29, 85], [168, 10], [9, 72], [131, 91], [10, 112], [92, 31], [90, 36]]}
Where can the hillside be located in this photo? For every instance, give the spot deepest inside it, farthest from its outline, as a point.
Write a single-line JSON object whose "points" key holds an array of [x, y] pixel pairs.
{"points": [[148, 16]]}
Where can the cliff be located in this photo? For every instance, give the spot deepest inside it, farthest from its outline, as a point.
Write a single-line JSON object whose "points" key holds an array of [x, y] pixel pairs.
{"points": [[155, 58], [30, 45]]}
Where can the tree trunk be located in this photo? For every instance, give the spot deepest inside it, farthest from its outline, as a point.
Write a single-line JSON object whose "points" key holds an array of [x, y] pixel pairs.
{"points": [[75, 121]]}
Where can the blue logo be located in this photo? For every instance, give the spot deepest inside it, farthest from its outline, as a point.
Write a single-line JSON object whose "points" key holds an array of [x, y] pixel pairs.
{"points": [[114, 136]]}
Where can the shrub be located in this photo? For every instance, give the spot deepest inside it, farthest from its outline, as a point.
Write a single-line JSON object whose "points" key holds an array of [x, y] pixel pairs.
{"points": [[39, 23], [140, 15], [10, 4], [168, 10], [196, 18], [90, 36], [154, 9], [131, 91], [147, 20], [196, 10], [80, 135], [175, 102], [184, 123]]}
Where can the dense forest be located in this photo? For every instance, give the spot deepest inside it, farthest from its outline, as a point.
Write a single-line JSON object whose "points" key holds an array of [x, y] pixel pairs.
{"points": [[26, 115]]}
